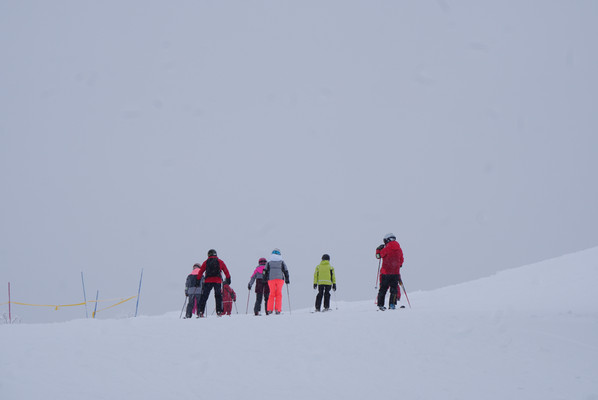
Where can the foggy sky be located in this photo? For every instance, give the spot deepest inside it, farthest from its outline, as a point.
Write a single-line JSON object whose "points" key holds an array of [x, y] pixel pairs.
{"points": [[141, 134]]}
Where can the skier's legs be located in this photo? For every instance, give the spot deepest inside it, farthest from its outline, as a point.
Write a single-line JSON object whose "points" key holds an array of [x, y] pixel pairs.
{"points": [[227, 307], [266, 296], [276, 294], [218, 297], [270, 306], [327, 296], [319, 297], [207, 288], [190, 303], [384, 285], [393, 283], [258, 302]]}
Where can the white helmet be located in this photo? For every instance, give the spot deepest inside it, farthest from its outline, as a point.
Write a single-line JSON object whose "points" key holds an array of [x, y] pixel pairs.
{"points": [[389, 237]]}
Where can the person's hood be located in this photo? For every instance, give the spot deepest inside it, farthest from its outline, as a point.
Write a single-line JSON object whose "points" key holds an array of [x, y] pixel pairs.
{"points": [[275, 257], [195, 271]]}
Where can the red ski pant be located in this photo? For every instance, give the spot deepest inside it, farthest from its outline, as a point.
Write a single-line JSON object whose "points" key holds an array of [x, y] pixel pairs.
{"points": [[275, 299], [227, 307]]}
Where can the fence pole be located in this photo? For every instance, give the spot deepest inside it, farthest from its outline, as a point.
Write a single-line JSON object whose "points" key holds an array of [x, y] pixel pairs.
{"points": [[139, 293], [9, 310], [84, 295], [96, 306]]}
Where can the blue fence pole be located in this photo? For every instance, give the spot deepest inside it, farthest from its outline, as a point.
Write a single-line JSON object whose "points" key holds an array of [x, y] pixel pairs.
{"points": [[139, 293], [96, 306], [84, 295]]}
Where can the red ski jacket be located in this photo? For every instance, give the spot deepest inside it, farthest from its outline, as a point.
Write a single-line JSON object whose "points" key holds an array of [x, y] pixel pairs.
{"points": [[392, 258], [228, 294], [214, 279]]}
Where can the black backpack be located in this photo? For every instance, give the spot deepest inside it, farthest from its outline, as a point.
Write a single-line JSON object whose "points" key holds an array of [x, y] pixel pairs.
{"points": [[212, 267]]}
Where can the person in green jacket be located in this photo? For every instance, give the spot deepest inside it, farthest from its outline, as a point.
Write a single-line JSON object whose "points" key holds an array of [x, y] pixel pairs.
{"points": [[324, 280]]}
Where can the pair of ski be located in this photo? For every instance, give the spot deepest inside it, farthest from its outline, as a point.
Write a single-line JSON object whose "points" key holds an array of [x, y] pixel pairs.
{"points": [[324, 310], [384, 308]]}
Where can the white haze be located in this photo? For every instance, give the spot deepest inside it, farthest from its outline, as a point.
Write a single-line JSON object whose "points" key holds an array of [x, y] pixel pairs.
{"points": [[140, 134]]}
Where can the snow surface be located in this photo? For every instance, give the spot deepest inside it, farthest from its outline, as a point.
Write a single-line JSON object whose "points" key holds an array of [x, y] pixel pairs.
{"points": [[525, 333]]}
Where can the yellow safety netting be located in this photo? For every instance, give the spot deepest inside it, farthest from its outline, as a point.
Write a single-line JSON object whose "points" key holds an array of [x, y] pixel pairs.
{"points": [[57, 306]]}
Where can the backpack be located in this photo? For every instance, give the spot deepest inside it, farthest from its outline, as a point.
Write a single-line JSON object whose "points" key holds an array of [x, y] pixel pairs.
{"points": [[212, 267]]}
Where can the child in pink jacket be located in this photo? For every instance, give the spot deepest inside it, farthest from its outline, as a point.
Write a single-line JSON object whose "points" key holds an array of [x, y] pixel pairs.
{"points": [[262, 291]]}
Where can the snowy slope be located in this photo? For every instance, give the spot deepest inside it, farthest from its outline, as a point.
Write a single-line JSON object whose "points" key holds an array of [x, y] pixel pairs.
{"points": [[525, 333]]}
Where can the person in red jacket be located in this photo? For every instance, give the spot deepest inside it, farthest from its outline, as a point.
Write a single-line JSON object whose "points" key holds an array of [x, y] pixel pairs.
{"points": [[228, 296], [213, 268], [390, 274]]}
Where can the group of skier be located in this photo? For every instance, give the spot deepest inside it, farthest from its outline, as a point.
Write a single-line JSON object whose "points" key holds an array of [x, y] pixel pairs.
{"points": [[271, 274]]}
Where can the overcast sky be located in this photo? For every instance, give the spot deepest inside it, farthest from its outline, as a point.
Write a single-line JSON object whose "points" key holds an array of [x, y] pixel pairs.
{"points": [[140, 134]]}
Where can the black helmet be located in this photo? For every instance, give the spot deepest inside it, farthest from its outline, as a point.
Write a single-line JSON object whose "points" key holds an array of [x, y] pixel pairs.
{"points": [[212, 252], [326, 257]]}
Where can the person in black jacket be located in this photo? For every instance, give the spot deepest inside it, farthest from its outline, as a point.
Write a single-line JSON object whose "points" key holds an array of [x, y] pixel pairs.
{"points": [[193, 286]]}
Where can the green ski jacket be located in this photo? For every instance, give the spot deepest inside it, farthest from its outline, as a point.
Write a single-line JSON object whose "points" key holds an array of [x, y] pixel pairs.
{"points": [[324, 274]]}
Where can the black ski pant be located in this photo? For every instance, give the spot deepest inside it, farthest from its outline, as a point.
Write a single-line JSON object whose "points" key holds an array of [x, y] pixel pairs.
{"points": [[397, 297], [207, 288], [258, 301], [323, 291], [193, 300], [386, 282]]}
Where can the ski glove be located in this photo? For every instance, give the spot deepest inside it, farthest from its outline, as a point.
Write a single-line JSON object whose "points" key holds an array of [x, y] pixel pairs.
{"points": [[249, 287], [334, 287], [287, 281], [315, 285], [227, 281], [380, 247]]}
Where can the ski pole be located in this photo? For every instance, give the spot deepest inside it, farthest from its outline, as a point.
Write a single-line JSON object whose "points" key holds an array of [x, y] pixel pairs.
{"points": [[407, 297], [184, 303], [236, 309], [248, 294], [377, 276], [289, 298]]}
